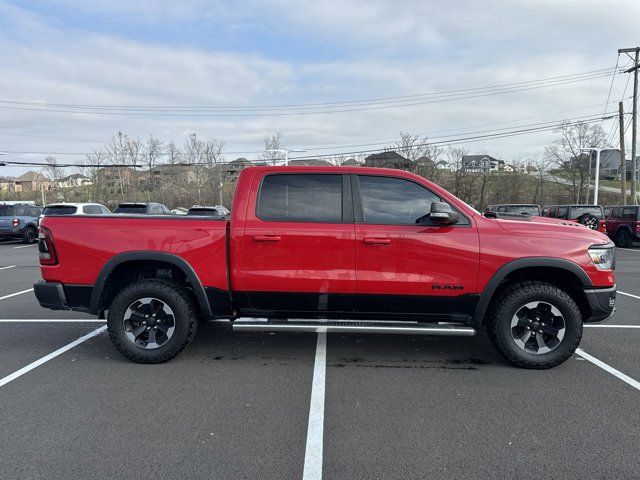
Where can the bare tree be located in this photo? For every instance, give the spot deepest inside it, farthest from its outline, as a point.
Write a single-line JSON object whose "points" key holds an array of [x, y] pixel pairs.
{"points": [[193, 152], [152, 151], [56, 174], [272, 142], [424, 155], [571, 165]]}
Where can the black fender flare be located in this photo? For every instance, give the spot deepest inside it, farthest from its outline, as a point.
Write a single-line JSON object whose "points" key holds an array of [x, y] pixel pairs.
{"points": [[529, 262], [174, 260]]}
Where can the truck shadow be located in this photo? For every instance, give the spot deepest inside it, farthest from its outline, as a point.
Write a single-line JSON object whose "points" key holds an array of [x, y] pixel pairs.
{"points": [[216, 342]]}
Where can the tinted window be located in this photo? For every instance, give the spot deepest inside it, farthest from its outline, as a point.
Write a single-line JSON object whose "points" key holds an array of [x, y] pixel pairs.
{"points": [[33, 211], [552, 212], [502, 208], [579, 211], [92, 210], [394, 200], [301, 198], [6, 210], [131, 209], [60, 210], [562, 212], [203, 211], [525, 209], [545, 212], [629, 213], [615, 212]]}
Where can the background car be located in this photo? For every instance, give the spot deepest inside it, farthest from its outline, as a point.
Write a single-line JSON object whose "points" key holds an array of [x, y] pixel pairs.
{"points": [[515, 208], [19, 221], [142, 208], [215, 211], [591, 216], [623, 224], [75, 209]]}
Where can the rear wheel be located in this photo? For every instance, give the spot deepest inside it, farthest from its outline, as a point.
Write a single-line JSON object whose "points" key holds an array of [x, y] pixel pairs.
{"points": [[30, 234], [535, 325], [151, 321], [623, 239]]}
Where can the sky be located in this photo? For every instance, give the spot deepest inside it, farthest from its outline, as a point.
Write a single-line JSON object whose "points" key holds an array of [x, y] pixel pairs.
{"points": [[254, 57]]}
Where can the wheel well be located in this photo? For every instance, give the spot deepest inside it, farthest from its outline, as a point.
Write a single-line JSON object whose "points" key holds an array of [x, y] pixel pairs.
{"points": [[559, 277], [133, 271]]}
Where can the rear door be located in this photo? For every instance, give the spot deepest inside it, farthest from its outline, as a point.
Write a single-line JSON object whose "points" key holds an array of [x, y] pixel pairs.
{"points": [[405, 267], [299, 243]]}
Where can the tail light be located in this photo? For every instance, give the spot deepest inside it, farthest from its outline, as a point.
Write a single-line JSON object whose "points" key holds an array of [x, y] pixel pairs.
{"points": [[46, 248], [15, 222], [603, 226]]}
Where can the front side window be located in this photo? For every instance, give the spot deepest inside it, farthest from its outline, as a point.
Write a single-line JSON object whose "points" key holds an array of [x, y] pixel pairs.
{"points": [[301, 198], [92, 210], [562, 212], [394, 201]]}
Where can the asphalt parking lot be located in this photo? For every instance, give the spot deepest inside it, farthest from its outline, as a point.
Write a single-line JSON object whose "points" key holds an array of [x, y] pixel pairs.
{"points": [[272, 406]]}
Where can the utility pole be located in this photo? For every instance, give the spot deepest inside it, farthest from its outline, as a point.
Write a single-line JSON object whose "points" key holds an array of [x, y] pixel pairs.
{"points": [[623, 161], [634, 169]]}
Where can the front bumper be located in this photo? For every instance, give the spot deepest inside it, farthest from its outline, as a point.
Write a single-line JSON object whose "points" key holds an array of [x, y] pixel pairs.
{"points": [[56, 296], [602, 302]]}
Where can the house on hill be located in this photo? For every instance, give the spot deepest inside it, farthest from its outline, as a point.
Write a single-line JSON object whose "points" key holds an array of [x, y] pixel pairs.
{"points": [[481, 164], [32, 182], [73, 181], [388, 159]]}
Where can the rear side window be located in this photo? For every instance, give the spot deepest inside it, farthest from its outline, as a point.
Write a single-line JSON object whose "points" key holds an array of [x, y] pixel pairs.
{"points": [[629, 213], [562, 212], [394, 201], [92, 210], [6, 210], [552, 212], [60, 210], [301, 198], [577, 212], [615, 212]]}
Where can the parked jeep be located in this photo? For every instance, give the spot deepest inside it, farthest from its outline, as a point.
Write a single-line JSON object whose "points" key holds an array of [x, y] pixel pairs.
{"points": [[591, 216], [623, 224]]}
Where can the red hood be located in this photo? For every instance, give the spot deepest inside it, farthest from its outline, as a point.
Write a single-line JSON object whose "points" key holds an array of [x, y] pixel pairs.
{"points": [[556, 226]]}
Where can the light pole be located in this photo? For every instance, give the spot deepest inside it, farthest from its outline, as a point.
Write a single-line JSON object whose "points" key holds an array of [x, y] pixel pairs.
{"points": [[597, 183], [286, 152]]}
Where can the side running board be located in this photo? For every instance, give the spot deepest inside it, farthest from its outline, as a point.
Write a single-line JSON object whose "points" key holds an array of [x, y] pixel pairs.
{"points": [[351, 326]]}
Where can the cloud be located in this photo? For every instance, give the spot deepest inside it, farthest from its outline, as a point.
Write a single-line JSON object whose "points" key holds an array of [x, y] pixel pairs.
{"points": [[80, 52]]}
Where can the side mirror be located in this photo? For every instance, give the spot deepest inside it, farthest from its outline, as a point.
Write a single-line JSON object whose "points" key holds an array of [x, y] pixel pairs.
{"points": [[442, 214]]}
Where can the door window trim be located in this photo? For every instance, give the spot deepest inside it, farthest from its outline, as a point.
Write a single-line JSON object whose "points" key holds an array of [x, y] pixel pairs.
{"points": [[347, 199], [358, 211]]}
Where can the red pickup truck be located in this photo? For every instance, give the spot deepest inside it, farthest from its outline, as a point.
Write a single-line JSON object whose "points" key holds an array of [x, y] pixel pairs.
{"points": [[332, 249]]}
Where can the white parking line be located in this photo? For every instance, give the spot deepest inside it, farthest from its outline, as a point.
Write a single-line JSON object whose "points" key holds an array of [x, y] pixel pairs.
{"points": [[629, 295], [315, 430], [51, 320], [7, 268], [27, 246], [611, 326], [17, 293], [51, 356], [608, 368]]}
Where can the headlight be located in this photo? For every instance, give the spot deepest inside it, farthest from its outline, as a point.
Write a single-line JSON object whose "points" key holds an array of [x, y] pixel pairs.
{"points": [[603, 258]]}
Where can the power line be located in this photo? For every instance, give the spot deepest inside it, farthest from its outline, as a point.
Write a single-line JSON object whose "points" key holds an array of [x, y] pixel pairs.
{"points": [[572, 76], [453, 141], [335, 109]]}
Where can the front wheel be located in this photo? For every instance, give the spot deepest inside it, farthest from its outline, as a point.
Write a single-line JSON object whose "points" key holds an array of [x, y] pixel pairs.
{"points": [[535, 325], [151, 321]]}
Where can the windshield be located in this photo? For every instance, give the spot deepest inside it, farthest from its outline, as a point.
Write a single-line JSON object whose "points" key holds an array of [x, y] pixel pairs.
{"points": [[60, 210], [596, 211], [524, 209], [6, 210]]}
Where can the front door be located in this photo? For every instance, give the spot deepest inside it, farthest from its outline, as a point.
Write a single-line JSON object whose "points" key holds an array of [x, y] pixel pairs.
{"points": [[409, 268], [299, 253]]}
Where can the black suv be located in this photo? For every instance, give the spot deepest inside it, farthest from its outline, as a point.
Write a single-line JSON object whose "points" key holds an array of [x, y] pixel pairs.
{"points": [[142, 208], [530, 209]]}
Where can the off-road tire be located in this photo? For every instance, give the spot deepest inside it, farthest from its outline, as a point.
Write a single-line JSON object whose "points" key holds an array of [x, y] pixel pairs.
{"points": [[179, 299], [510, 300], [589, 221], [30, 235], [623, 239]]}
